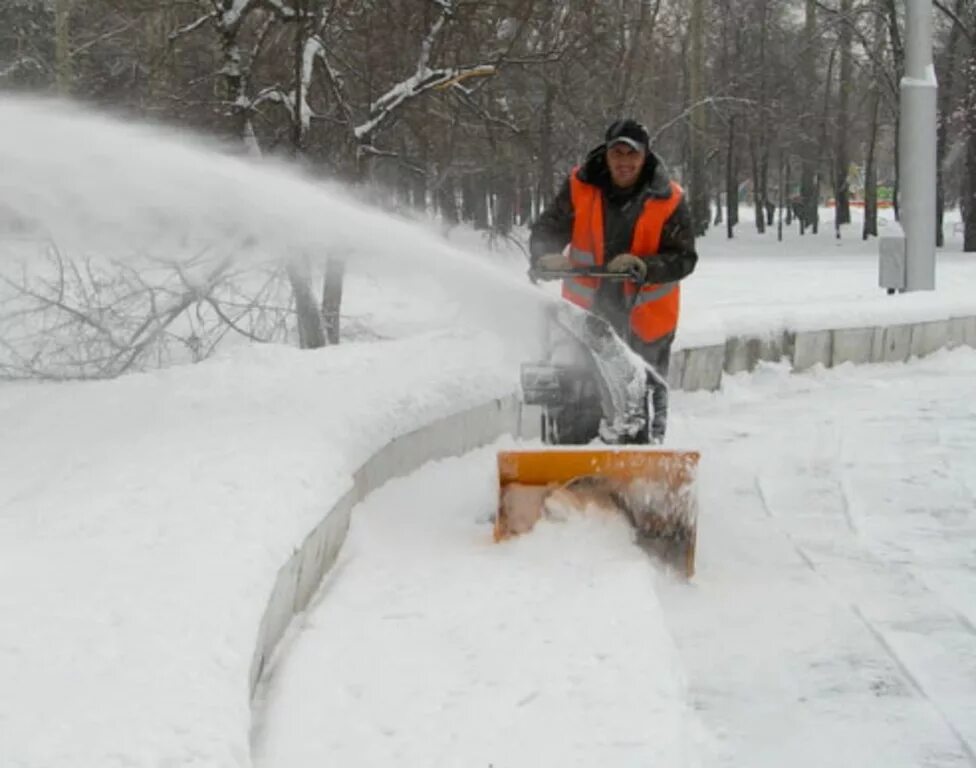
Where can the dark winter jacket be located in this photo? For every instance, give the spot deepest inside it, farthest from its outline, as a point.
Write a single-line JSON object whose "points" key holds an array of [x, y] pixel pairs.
{"points": [[553, 230]]}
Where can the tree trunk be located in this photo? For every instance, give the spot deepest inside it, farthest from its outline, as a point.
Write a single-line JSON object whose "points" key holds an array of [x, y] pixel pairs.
{"points": [[870, 169], [475, 202], [447, 202], [761, 149], [898, 54], [757, 187], [239, 124], [764, 181], [842, 203], [814, 212], [779, 204], [808, 192], [503, 211], [523, 202], [546, 167], [945, 107], [155, 39], [969, 223], [789, 192], [335, 271], [310, 334], [335, 267], [62, 46], [874, 109], [696, 92], [731, 188], [302, 32]]}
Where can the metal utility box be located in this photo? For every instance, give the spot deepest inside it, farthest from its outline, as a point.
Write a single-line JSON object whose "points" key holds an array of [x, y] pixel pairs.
{"points": [[893, 260]]}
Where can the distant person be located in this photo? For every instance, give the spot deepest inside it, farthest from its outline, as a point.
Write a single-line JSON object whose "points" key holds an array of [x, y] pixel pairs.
{"points": [[621, 212], [796, 205]]}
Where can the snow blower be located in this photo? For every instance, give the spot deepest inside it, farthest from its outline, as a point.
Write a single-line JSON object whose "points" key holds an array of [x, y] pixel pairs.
{"points": [[595, 422]]}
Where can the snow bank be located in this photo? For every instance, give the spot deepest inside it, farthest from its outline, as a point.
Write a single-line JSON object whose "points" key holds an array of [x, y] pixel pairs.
{"points": [[144, 521]]}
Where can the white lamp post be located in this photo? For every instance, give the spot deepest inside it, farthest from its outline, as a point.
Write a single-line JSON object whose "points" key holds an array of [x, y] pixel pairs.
{"points": [[915, 250]]}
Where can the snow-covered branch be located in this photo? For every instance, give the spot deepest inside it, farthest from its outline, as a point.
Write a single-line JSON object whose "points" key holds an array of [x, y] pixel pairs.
{"points": [[710, 101], [19, 64], [192, 26], [508, 123], [239, 9], [423, 79], [415, 86], [275, 95], [70, 318], [314, 49], [235, 13], [392, 96], [228, 20]]}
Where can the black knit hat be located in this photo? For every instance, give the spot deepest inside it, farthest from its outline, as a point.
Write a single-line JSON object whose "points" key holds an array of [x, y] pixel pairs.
{"points": [[628, 131]]}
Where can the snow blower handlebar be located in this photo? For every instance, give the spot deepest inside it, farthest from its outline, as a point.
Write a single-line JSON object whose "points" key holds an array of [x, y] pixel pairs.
{"points": [[535, 275]]}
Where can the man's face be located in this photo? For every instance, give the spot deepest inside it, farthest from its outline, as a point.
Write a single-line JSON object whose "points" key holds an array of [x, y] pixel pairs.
{"points": [[625, 164]]}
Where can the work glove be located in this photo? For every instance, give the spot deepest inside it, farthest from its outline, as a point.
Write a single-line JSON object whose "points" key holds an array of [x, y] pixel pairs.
{"points": [[627, 262], [553, 262]]}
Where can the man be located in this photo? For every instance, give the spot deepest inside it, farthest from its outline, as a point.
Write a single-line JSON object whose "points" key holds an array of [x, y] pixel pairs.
{"points": [[620, 212]]}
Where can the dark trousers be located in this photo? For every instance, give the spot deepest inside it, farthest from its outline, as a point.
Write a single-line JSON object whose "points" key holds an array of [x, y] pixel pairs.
{"points": [[657, 354]]}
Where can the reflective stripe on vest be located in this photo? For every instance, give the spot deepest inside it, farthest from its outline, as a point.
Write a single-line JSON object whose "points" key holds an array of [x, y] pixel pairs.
{"points": [[578, 293], [654, 292]]}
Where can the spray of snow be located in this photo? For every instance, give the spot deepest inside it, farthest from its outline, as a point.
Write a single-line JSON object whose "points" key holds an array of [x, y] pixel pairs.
{"points": [[102, 187]]}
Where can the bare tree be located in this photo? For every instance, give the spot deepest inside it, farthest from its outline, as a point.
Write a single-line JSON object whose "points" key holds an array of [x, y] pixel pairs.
{"points": [[845, 85], [700, 214], [71, 318], [809, 214]]}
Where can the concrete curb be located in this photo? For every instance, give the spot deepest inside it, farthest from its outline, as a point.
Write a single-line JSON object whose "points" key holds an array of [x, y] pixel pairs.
{"points": [[702, 367], [300, 577]]}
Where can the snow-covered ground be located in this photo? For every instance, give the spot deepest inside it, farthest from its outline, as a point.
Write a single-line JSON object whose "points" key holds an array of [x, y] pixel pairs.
{"points": [[432, 646], [755, 284], [831, 621], [833, 617], [143, 520]]}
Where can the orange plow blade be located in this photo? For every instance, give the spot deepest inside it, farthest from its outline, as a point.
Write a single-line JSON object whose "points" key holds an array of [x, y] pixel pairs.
{"points": [[654, 488]]}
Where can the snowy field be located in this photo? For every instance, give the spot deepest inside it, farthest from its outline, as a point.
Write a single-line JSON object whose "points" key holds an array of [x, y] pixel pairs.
{"points": [[143, 520], [831, 621]]}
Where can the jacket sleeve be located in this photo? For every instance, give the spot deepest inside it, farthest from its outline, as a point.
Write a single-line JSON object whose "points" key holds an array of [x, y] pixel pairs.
{"points": [[676, 254], [553, 229]]}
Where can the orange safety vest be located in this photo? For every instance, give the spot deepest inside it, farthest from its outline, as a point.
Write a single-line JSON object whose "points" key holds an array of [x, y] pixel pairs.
{"points": [[654, 313]]}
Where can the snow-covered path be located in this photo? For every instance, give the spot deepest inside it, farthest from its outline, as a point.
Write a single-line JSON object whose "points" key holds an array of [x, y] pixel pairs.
{"points": [[832, 618], [831, 621], [432, 646]]}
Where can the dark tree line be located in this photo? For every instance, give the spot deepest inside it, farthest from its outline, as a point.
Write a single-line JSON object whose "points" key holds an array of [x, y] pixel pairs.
{"points": [[471, 110]]}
